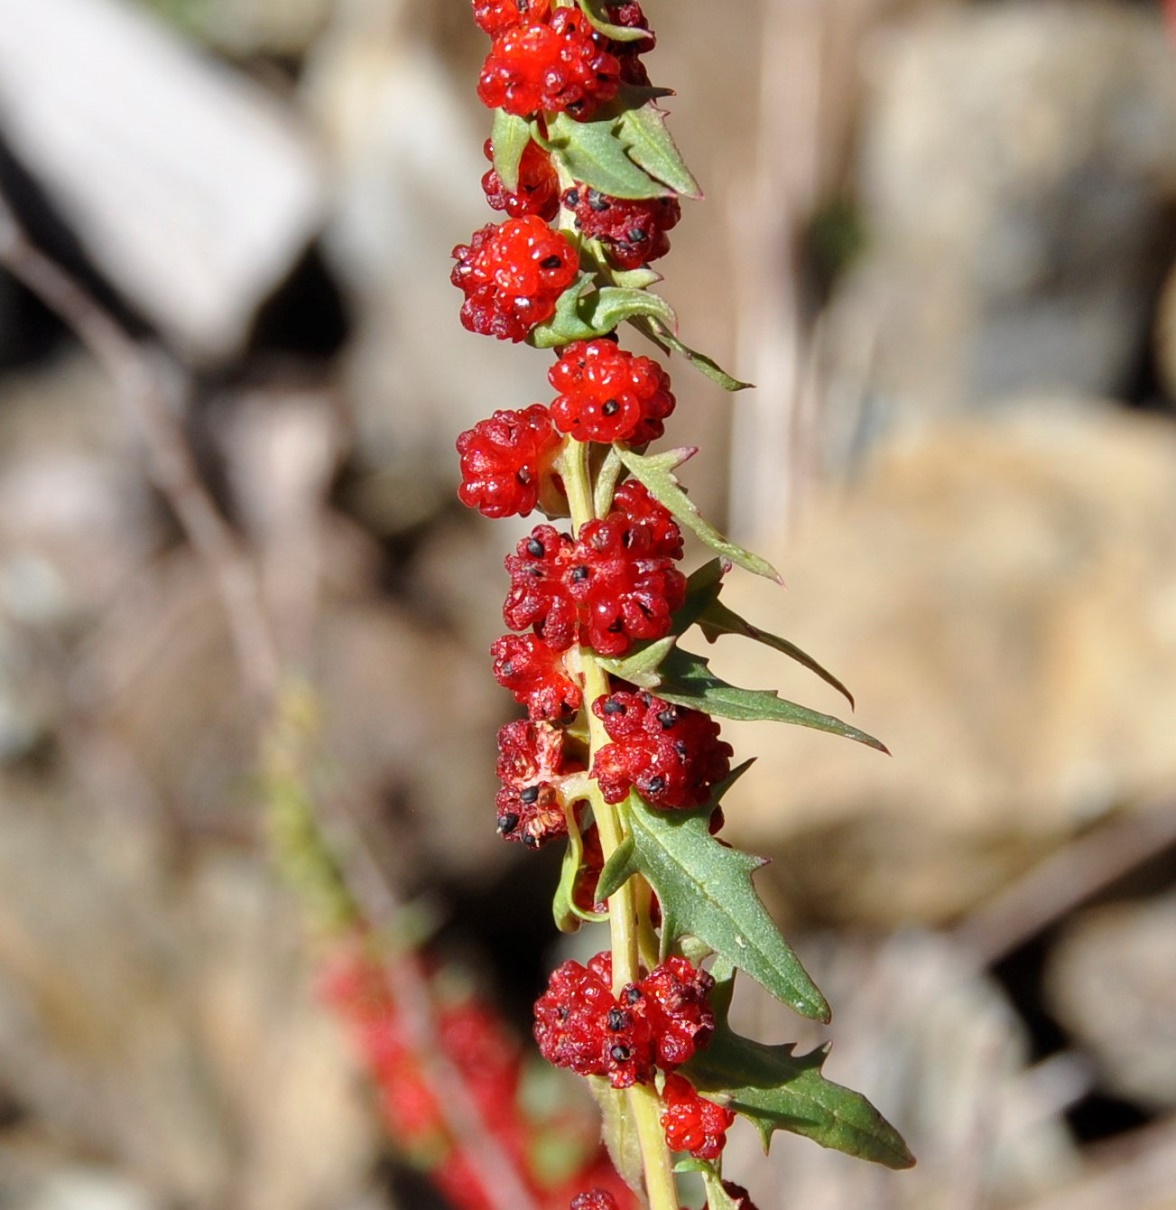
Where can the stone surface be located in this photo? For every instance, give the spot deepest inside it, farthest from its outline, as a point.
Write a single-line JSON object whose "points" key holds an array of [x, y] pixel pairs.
{"points": [[1001, 596]]}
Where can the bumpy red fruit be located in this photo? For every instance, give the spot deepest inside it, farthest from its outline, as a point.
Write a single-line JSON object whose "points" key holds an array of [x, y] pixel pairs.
{"points": [[692, 1123], [677, 1006], [632, 230], [628, 53], [506, 462], [538, 187], [594, 1199], [531, 765], [671, 755], [512, 275], [537, 677], [606, 589], [608, 394], [556, 66], [642, 510], [495, 16]]}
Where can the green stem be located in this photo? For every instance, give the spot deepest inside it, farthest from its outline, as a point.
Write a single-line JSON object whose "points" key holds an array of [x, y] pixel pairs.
{"points": [[628, 909]]}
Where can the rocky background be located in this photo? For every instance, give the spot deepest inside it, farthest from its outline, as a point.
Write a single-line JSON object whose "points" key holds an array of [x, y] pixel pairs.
{"points": [[939, 235]]}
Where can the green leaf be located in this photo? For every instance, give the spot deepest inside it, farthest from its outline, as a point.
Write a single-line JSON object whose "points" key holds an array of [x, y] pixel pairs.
{"points": [[656, 472], [569, 321], [509, 137], [617, 303], [686, 680], [594, 11], [636, 279], [641, 666], [719, 620], [705, 891], [594, 155], [620, 1133], [642, 132], [563, 905], [777, 1089], [663, 336]]}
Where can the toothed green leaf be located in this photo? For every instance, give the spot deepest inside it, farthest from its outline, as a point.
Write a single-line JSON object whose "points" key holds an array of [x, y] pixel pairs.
{"points": [[583, 313], [776, 1089], [718, 620], [705, 891], [686, 680], [656, 472], [664, 336], [594, 155], [509, 136], [642, 131]]}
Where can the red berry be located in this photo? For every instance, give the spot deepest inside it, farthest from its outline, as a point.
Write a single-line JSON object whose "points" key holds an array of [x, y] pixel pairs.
{"points": [[678, 1009], [692, 1123], [594, 1199], [672, 755], [512, 275], [627, 53], [536, 675], [538, 188], [632, 230], [506, 462], [580, 1025], [608, 394], [531, 764], [665, 538], [556, 66], [606, 589], [494, 16]]}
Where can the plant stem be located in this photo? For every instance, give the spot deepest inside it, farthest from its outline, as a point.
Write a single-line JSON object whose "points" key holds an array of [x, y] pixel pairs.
{"points": [[628, 921]]}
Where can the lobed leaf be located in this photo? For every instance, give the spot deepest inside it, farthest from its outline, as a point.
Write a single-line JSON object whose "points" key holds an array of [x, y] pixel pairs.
{"points": [[776, 1089], [656, 472], [643, 134], [592, 154], [719, 620], [686, 680], [705, 891]]}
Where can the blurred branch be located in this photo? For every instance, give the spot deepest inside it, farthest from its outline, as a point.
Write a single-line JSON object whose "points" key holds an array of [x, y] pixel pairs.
{"points": [[1061, 882], [170, 463]]}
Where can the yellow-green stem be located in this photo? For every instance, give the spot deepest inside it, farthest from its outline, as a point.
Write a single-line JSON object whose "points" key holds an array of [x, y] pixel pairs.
{"points": [[628, 908]]}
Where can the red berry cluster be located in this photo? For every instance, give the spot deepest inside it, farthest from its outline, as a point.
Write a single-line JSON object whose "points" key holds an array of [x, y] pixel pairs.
{"points": [[607, 394], [608, 588], [537, 676], [632, 231], [512, 275], [506, 462], [657, 1022], [532, 764], [673, 756], [557, 64]]}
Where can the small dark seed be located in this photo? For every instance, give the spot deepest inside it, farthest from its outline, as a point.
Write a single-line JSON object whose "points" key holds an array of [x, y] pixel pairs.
{"points": [[647, 699], [618, 1019], [529, 794], [632, 993], [507, 670], [668, 717], [617, 626], [681, 747], [550, 262], [535, 548], [579, 574], [524, 475], [610, 407], [657, 784], [531, 842], [620, 1054], [507, 824], [612, 706], [572, 199], [598, 201], [636, 236], [562, 1012]]}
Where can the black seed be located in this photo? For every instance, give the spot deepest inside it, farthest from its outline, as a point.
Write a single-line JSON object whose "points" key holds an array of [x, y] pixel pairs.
{"points": [[681, 748], [529, 794], [562, 1013], [617, 626], [610, 407], [572, 199], [524, 475], [535, 548], [618, 1019], [657, 784], [507, 823], [507, 671], [646, 699], [636, 236], [612, 706], [620, 1054], [632, 993], [598, 201], [579, 574], [668, 717], [550, 262], [531, 842]]}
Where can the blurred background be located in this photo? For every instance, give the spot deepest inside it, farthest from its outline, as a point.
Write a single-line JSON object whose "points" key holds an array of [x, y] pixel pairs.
{"points": [[939, 235]]}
